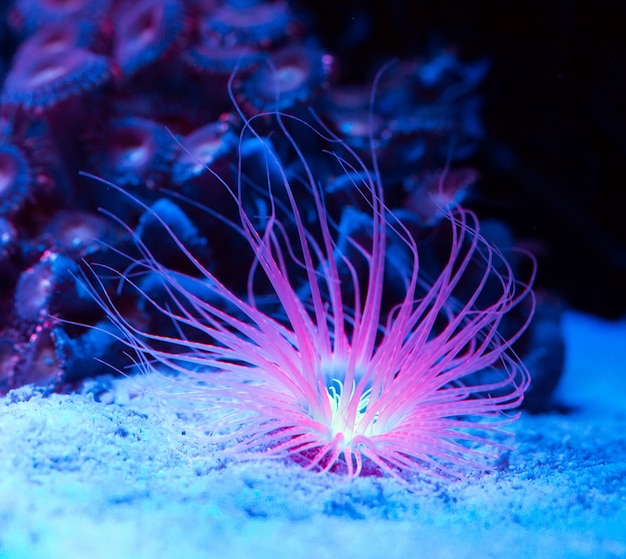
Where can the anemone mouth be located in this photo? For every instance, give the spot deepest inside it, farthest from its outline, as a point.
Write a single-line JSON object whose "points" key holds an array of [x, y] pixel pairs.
{"points": [[343, 425]]}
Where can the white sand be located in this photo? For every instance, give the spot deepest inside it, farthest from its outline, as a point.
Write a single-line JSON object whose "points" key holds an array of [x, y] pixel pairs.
{"points": [[82, 479]]}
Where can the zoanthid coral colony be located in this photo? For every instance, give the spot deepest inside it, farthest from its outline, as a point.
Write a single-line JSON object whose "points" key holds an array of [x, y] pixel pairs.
{"points": [[351, 352]]}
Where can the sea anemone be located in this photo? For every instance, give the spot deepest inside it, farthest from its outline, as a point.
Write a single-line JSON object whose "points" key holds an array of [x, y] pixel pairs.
{"points": [[312, 365]]}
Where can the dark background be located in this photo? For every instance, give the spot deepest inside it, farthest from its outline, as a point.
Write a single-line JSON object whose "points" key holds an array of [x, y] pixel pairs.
{"points": [[554, 159]]}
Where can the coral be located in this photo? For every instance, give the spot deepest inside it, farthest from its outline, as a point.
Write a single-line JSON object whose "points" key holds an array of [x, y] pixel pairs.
{"points": [[347, 110], [146, 32], [134, 152], [150, 39], [47, 288], [334, 380], [8, 239], [74, 73], [8, 361], [202, 149], [39, 362], [36, 13], [212, 65], [9, 251], [56, 38], [257, 24], [78, 234], [543, 350], [152, 235], [15, 180], [432, 192], [212, 146], [52, 360], [41, 186], [210, 59], [288, 78], [37, 83], [75, 356]]}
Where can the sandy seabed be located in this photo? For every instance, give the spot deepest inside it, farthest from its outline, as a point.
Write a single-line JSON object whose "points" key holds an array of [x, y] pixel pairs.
{"points": [[81, 478]]}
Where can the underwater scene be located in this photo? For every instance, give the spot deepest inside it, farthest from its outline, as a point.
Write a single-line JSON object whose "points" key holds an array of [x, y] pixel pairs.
{"points": [[296, 278]]}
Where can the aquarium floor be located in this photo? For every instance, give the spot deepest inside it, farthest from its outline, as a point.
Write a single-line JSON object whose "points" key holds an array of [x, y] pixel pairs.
{"points": [[99, 479]]}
